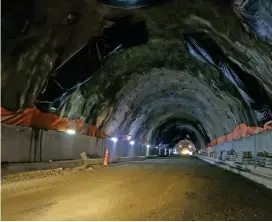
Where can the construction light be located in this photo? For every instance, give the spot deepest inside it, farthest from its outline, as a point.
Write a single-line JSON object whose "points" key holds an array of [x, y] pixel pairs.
{"points": [[186, 152], [132, 142], [114, 139], [71, 131]]}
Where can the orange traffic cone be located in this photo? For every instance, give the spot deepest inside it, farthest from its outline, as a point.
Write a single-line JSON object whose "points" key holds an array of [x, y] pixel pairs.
{"points": [[106, 158]]}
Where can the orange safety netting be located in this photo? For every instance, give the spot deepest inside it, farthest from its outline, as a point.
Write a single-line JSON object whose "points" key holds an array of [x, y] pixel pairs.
{"points": [[239, 132], [32, 117]]}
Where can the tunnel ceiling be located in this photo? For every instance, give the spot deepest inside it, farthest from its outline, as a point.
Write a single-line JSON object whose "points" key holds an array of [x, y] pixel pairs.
{"points": [[151, 90]]}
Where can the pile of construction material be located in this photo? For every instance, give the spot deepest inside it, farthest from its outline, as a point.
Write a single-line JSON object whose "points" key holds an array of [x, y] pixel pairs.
{"points": [[264, 159], [215, 155], [224, 156], [245, 158], [232, 157]]}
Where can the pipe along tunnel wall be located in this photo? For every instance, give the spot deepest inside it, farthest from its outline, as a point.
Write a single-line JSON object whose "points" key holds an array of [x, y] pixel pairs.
{"points": [[22, 145]]}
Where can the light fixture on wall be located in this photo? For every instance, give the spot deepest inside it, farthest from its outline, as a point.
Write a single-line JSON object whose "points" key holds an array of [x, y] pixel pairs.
{"points": [[114, 139], [132, 142], [71, 131]]}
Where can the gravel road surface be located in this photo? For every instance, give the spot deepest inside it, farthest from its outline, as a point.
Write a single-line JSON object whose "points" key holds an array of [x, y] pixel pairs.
{"points": [[156, 189]]}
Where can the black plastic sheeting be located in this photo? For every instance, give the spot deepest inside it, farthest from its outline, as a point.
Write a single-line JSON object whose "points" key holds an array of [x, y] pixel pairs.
{"points": [[202, 47], [205, 49], [256, 16], [129, 3], [81, 66]]}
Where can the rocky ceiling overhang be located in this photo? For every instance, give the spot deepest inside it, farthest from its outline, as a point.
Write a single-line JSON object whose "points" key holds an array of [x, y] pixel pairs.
{"points": [[173, 84]]}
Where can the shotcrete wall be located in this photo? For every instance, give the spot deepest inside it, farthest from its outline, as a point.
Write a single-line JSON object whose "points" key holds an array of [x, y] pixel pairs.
{"points": [[24, 144]]}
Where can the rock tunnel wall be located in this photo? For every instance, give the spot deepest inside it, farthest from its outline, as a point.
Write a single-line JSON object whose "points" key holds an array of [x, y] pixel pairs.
{"points": [[141, 89]]}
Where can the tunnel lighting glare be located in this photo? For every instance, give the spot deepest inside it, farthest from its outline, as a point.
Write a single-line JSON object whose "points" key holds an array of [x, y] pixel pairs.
{"points": [[114, 139], [186, 152], [132, 143], [71, 131], [148, 146]]}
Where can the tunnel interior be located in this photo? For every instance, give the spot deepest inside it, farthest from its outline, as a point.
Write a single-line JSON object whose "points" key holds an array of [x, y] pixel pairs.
{"points": [[172, 71], [172, 131]]}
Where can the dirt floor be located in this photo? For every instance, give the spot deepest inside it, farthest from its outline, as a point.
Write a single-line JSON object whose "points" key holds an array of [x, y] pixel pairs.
{"points": [[157, 189]]}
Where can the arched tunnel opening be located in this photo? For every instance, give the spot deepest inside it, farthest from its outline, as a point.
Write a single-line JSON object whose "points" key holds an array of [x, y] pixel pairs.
{"points": [[175, 71], [139, 71], [172, 131]]}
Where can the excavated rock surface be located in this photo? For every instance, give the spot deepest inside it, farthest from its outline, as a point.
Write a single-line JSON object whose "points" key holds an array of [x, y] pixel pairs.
{"points": [[141, 89]]}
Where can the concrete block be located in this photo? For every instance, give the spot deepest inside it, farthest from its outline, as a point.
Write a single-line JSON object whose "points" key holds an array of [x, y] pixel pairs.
{"points": [[84, 156], [96, 161], [22, 167]]}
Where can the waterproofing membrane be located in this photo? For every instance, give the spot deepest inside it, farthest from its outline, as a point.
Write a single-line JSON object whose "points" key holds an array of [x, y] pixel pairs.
{"points": [[129, 3], [81, 66], [256, 15], [204, 48], [246, 82]]}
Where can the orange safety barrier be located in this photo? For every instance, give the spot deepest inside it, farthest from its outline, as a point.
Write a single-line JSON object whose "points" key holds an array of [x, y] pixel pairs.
{"points": [[257, 130], [100, 134], [229, 137], [268, 125], [241, 131], [221, 139], [23, 118], [213, 142], [91, 130], [32, 117], [244, 130], [78, 126]]}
